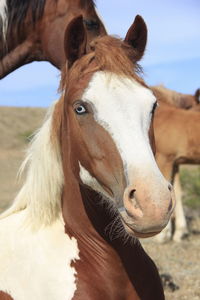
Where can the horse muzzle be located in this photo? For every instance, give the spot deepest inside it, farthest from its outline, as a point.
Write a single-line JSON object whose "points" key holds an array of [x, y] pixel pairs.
{"points": [[146, 213]]}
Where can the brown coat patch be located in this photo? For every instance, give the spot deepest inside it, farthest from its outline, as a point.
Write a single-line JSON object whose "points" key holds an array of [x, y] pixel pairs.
{"points": [[5, 296]]}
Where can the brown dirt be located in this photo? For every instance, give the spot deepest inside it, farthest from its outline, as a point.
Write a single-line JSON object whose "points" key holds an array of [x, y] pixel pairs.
{"points": [[181, 261]]}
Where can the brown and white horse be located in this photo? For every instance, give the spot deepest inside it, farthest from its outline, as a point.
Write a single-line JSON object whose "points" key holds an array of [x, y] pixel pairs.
{"points": [[33, 30], [63, 237], [177, 136]]}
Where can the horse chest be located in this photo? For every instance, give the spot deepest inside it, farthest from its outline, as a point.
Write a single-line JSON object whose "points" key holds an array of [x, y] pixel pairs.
{"points": [[37, 265]]}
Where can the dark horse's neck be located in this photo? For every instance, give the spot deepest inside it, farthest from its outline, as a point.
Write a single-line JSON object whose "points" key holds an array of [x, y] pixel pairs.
{"points": [[18, 49], [20, 44], [108, 266]]}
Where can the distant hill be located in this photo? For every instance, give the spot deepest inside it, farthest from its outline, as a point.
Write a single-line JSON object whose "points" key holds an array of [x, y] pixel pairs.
{"points": [[16, 125]]}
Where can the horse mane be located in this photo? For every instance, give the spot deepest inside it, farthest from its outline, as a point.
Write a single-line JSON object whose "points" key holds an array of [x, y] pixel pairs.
{"points": [[14, 12]]}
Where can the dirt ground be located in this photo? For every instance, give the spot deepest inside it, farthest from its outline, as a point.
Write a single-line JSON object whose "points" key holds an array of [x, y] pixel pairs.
{"points": [[181, 261]]}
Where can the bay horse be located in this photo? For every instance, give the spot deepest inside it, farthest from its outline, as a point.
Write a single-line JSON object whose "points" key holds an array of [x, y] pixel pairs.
{"points": [[177, 137], [63, 237], [33, 30]]}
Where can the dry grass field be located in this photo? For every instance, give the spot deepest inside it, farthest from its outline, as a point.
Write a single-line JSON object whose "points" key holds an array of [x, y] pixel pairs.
{"points": [[181, 261]]}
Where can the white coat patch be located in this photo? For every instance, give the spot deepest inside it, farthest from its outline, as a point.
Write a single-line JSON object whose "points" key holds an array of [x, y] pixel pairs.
{"points": [[36, 264]]}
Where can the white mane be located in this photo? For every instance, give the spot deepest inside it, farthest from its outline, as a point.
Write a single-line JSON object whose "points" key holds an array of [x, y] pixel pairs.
{"points": [[3, 16], [41, 193]]}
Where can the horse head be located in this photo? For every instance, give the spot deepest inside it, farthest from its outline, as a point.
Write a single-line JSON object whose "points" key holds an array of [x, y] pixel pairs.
{"points": [[106, 130]]}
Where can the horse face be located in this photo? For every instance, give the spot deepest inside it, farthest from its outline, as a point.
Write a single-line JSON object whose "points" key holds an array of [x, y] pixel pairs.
{"points": [[111, 125]]}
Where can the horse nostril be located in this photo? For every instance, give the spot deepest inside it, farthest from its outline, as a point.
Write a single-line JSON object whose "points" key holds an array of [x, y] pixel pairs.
{"points": [[170, 187], [131, 194]]}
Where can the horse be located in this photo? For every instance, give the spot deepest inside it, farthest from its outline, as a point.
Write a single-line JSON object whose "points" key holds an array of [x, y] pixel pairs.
{"points": [[172, 97], [33, 30], [63, 237], [177, 137], [185, 101]]}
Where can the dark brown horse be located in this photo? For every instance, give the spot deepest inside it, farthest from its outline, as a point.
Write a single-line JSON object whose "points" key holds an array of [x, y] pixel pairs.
{"points": [[33, 30], [63, 237]]}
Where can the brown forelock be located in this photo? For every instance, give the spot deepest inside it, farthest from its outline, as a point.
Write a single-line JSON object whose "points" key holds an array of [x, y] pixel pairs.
{"points": [[5, 296], [108, 54]]}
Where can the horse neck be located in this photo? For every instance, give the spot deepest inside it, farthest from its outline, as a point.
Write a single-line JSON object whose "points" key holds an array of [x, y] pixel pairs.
{"points": [[21, 43], [18, 49], [100, 253]]}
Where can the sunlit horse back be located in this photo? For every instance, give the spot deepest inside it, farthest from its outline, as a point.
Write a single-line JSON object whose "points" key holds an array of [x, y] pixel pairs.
{"points": [[186, 101], [63, 237], [33, 30]]}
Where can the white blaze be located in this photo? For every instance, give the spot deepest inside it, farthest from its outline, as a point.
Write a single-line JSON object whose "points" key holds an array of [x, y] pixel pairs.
{"points": [[123, 107]]}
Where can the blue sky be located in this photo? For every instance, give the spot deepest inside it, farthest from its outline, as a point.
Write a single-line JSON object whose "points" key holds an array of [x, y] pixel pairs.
{"points": [[172, 56]]}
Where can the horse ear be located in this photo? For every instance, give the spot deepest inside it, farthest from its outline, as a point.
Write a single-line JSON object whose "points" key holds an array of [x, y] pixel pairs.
{"points": [[197, 95], [75, 40], [137, 36]]}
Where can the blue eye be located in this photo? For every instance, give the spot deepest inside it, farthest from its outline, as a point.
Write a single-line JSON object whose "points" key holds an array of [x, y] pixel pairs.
{"points": [[80, 110]]}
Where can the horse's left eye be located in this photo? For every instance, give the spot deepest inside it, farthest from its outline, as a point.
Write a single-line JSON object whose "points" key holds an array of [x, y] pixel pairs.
{"points": [[80, 110]]}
